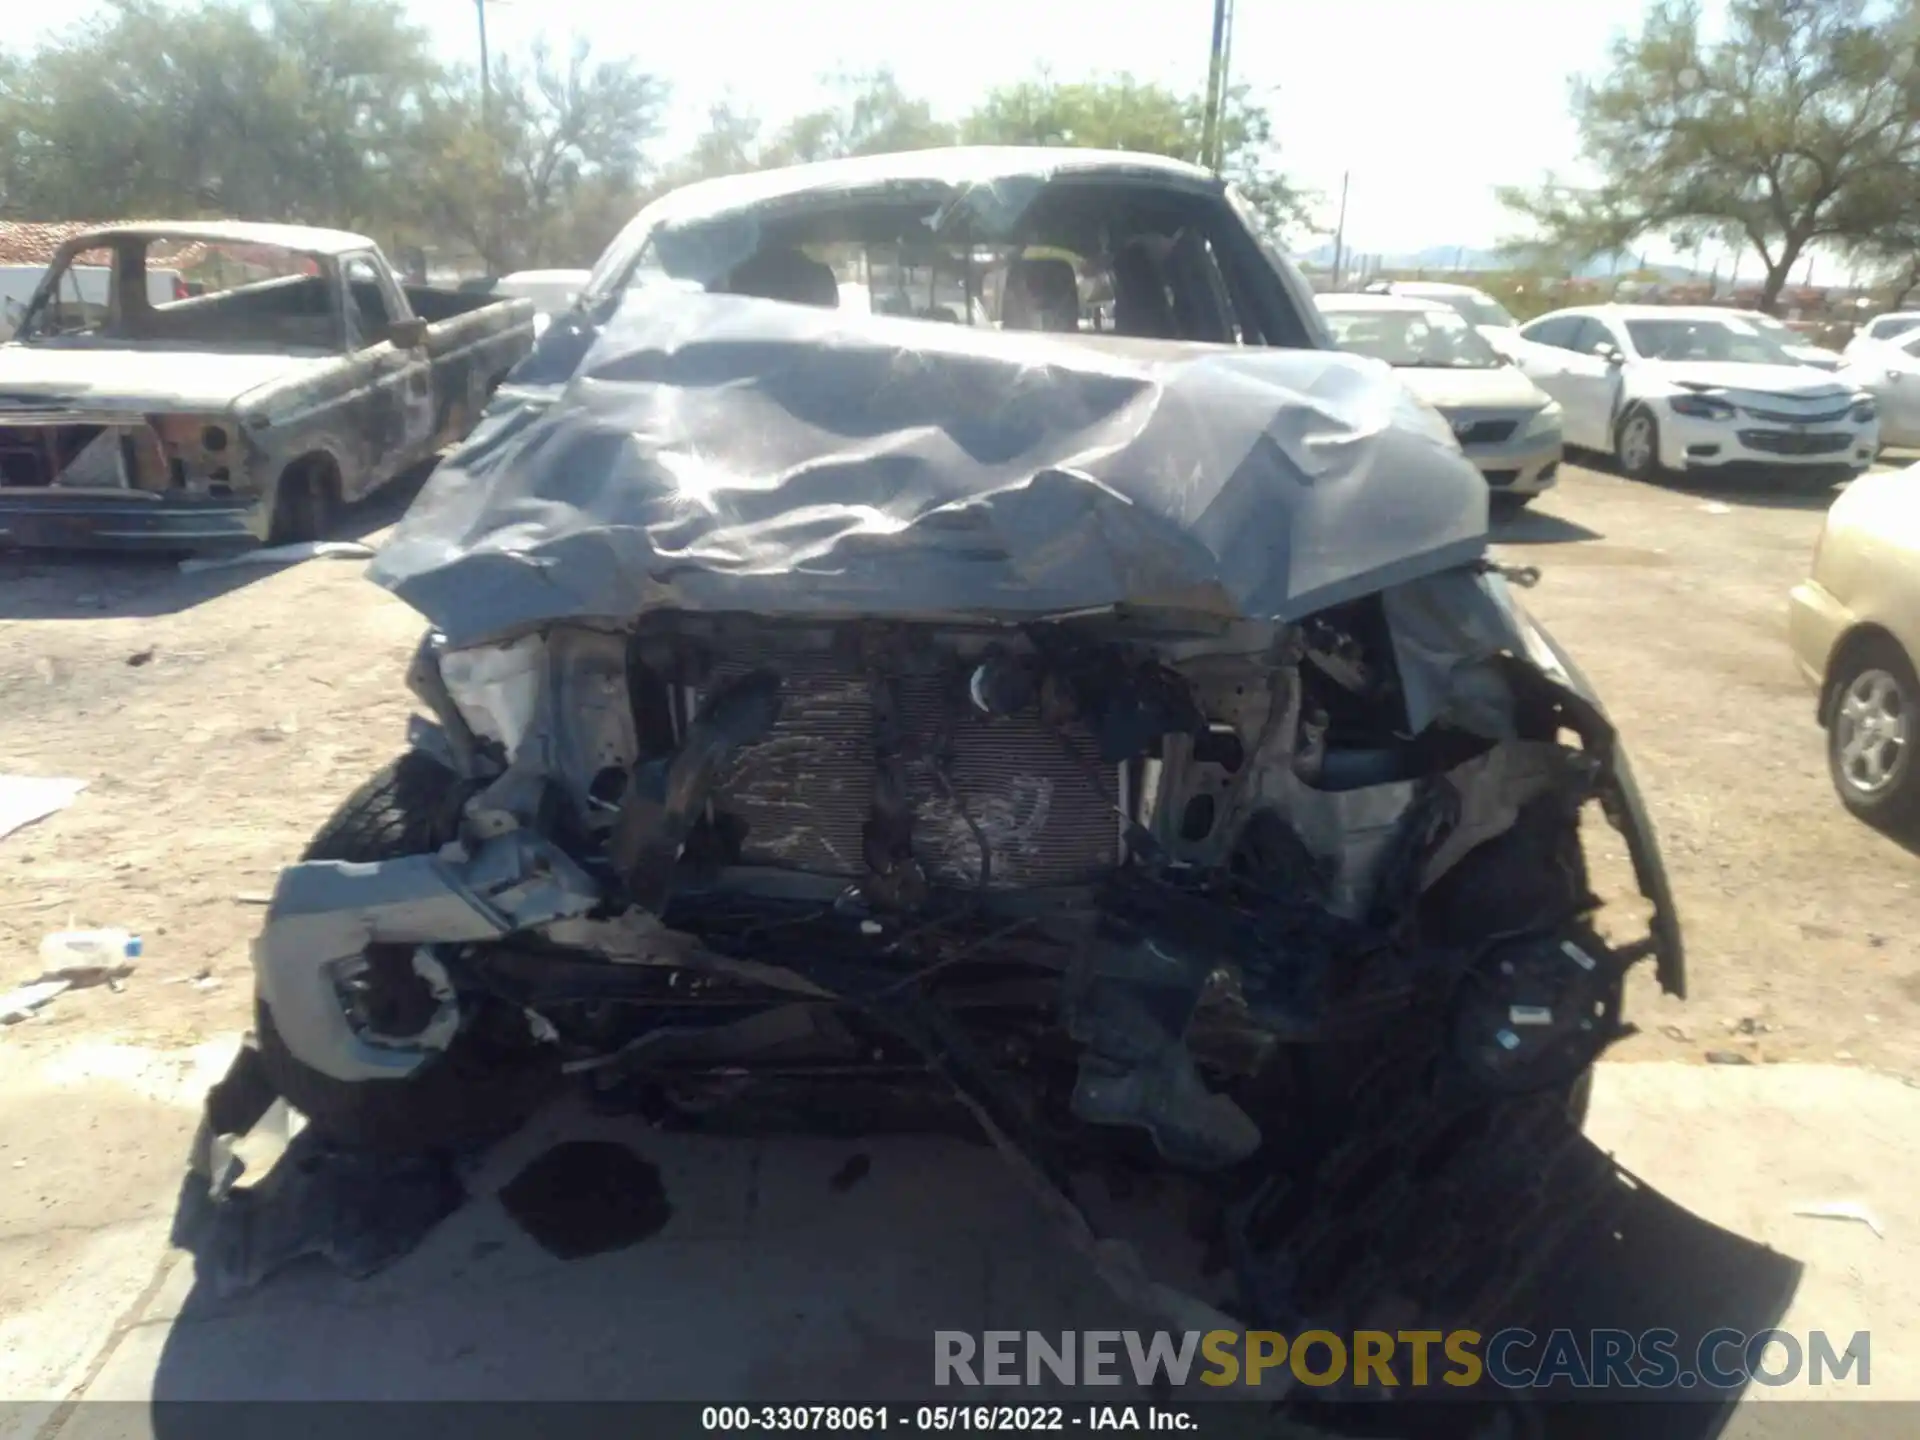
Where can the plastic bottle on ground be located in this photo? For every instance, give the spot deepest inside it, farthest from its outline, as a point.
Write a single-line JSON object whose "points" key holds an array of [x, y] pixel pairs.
{"points": [[88, 947]]}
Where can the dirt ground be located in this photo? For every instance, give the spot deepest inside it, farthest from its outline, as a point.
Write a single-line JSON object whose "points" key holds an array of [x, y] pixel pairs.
{"points": [[217, 718]]}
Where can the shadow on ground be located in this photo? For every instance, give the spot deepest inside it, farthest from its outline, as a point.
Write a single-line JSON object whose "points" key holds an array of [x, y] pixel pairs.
{"points": [[1758, 494], [1537, 527], [803, 1269], [87, 584]]}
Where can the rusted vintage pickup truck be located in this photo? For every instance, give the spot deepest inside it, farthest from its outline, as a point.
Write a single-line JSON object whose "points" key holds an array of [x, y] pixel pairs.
{"points": [[291, 373]]}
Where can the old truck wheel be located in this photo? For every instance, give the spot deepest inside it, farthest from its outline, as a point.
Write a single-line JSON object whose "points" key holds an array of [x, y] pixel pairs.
{"points": [[303, 504], [486, 1083]]}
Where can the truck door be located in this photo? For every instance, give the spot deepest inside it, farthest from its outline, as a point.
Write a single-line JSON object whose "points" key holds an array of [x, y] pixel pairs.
{"points": [[400, 379]]}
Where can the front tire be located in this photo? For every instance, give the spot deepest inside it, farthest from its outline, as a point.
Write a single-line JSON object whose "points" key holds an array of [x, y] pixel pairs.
{"points": [[304, 503], [1636, 444], [482, 1087], [1872, 729]]}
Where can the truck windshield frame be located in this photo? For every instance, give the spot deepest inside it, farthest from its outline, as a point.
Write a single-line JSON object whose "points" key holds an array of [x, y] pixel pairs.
{"points": [[229, 296]]}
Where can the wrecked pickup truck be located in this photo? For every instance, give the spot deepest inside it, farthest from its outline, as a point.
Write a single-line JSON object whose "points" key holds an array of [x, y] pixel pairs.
{"points": [[291, 375], [1118, 744]]}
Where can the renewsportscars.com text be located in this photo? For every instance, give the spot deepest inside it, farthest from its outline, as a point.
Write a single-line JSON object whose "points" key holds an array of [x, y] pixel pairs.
{"points": [[1405, 1359]]}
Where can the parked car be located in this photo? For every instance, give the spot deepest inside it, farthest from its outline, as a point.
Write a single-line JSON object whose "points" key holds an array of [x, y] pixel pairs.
{"points": [[1508, 426], [1016, 722], [243, 414], [1686, 390], [1793, 343], [1889, 370], [1890, 326], [552, 291], [1854, 624], [1476, 307]]}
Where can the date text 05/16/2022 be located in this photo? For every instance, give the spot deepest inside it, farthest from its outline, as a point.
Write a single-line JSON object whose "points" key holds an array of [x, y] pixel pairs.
{"points": [[940, 1419]]}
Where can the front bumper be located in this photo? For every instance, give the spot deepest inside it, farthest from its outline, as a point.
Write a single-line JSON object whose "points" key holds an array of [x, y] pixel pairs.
{"points": [[52, 521], [1525, 466], [1815, 623], [1513, 459], [1760, 447]]}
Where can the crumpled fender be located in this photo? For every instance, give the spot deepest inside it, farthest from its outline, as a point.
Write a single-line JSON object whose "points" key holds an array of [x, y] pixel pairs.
{"points": [[1628, 812]]}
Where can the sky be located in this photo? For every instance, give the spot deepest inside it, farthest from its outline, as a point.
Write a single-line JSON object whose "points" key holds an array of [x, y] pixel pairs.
{"points": [[1426, 106]]}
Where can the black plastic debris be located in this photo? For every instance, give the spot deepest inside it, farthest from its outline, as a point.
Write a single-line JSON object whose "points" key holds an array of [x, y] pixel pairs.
{"points": [[586, 1197], [359, 1212]]}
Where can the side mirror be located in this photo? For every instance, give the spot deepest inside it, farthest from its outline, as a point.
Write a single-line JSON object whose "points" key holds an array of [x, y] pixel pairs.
{"points": [[1611, 354], [408, 334]]}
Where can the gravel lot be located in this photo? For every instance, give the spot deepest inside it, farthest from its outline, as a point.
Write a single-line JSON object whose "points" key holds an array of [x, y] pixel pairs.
{"points": [[218, 717]]}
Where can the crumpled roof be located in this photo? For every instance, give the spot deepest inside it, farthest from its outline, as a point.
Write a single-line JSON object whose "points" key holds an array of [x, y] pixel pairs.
{"points": [[716, 453]]}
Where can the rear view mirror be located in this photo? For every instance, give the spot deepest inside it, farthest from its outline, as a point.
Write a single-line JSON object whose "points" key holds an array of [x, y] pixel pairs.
{"points": [[408, 334]]}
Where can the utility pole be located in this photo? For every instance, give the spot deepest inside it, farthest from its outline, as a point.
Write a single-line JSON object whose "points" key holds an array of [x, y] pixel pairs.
{"points": [[1212, 140], [486, 84], [1340, 230]]}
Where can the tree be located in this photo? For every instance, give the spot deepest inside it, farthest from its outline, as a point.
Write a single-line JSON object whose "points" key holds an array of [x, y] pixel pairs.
{"points": [[292, 109], [1125, 113], [503, 172], [1799, 124], [873, 116], [730, 145]]}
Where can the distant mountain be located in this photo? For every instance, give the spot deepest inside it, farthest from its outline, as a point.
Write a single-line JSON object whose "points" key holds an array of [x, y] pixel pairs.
{"points": [[1436, 259]]}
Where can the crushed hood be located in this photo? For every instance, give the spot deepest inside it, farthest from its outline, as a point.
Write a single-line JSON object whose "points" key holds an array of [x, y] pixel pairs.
{"points": [[44, 377], [715, 453]]}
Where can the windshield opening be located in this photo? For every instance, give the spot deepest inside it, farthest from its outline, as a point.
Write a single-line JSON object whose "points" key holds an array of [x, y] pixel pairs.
{"points": [[188, 292], [1733, 341], [1436, 339], [1108, 258]]}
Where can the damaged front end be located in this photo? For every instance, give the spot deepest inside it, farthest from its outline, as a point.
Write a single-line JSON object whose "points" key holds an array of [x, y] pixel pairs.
{"points": [[1156, 777], [124, 478], [1230, 895]]}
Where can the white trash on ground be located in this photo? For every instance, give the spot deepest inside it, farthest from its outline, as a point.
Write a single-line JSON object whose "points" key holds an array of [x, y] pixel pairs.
{"points": [[89, 948], [1843, 1210], [281, 555], [27, 798], [19, 1004]]}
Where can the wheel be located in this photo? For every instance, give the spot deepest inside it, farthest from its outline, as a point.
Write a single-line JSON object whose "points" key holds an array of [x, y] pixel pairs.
{"points": [[1505, 505], [1871, 735], [303, 504], [489, 1080], [1636, 444]]}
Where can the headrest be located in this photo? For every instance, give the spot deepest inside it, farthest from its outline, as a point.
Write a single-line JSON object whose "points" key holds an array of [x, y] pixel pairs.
{"points": [[1041, 295], [786, 274]]}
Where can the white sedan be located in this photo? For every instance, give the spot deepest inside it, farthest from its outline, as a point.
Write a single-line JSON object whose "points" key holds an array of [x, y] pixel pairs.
{"points": [[1476, 307], [1889, 370], [1680, 389]]}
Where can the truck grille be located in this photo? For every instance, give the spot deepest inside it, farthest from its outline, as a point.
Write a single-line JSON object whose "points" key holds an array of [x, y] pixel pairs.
{"points": [[1792, 442]]}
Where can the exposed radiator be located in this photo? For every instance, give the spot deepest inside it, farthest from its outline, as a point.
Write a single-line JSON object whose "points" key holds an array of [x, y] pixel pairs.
{"points": [[805, 793]]}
